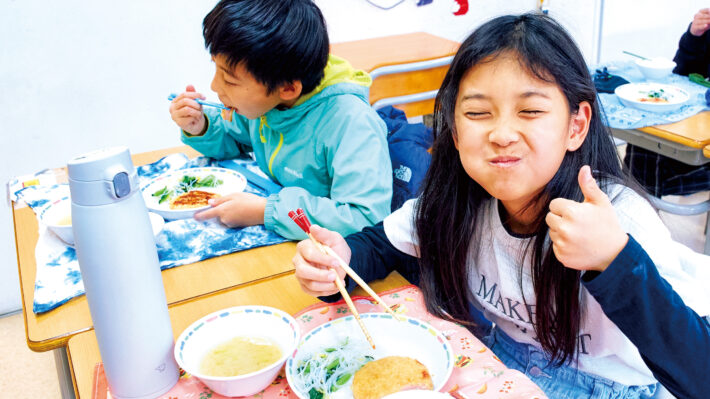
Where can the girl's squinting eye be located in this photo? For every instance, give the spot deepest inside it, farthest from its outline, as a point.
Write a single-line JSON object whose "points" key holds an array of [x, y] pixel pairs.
{"points": [[532, 112], [477, 115]]}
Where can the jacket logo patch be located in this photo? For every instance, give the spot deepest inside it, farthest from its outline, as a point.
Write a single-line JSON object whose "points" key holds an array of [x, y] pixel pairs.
{"points": [[293, 172], [403, 173]]}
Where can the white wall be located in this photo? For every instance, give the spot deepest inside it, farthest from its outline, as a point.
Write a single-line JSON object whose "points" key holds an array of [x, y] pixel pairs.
{"points": [[651, 27], [580, 18], [356, 19], [78, 75]]}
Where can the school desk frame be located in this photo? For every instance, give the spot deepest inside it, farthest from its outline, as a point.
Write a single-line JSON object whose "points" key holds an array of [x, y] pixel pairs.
{"points": [[679, 152]]}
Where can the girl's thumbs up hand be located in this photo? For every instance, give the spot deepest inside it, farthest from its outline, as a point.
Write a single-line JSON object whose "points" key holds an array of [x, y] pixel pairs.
{"points": [[587, 235]]}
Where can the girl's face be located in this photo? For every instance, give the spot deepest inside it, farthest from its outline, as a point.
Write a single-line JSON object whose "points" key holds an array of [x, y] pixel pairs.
{"points": [[513, 130]]}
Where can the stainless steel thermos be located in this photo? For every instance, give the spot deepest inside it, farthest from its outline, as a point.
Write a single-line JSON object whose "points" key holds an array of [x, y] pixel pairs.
{"points": [[119, 265]]}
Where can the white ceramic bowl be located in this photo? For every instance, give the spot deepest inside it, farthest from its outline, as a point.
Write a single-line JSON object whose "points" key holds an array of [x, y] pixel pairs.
{"points": [[632, 94], [58, 214], [56, 217], [221, 326], [655, 68], [410, 337]]}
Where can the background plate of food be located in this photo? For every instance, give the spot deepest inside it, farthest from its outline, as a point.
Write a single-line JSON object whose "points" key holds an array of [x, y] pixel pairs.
{"points": [[653, 97], [181, 193], [335, 360]]}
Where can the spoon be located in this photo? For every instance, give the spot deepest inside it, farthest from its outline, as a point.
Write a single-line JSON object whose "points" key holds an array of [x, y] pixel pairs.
{"points": [[636, 55], [172, 96]]}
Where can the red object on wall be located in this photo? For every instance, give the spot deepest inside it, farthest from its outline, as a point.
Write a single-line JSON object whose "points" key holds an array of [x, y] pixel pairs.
{"points": [[463, 7]]}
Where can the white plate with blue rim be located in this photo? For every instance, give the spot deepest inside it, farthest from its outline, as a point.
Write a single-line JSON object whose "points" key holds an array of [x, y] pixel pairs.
{"points": [[652, 97], [409, 337], [161, 192]]}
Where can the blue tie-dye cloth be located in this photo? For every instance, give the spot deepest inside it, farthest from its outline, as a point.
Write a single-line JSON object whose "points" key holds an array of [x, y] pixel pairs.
{"points": [[620, 116], [180, 242]]}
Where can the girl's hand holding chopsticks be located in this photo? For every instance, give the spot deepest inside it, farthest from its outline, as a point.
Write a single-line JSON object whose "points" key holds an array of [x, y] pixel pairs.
{"points": [[341, 248], [323, 243], [313, 267]]}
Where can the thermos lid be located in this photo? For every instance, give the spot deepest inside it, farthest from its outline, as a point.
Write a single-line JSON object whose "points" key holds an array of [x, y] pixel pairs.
{"points": [[102, 177], [99, 164]]}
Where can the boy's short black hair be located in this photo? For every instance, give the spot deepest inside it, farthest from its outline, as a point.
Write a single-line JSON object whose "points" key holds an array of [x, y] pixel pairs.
{"points": [[279, 41]]}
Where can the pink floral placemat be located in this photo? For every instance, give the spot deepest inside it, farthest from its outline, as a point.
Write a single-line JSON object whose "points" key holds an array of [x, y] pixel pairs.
{"points": [[478, 373]]}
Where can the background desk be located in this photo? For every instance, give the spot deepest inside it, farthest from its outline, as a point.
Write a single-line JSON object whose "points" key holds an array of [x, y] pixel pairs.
{"points": [[683, 141], [282, 292], [687, 141], [402, 65], [53, 329]]}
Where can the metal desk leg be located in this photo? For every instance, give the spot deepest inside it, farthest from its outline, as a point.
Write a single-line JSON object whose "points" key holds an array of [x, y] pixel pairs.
{"points": [[64, 373]]}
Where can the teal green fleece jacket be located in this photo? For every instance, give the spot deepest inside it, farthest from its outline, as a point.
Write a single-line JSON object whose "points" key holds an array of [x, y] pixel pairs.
{"points": [[329, 152]]}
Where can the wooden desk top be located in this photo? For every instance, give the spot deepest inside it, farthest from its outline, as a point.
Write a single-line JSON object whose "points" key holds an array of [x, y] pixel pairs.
{"points": [[83, 350], [52, 330], [370, 54], [693, 132]]}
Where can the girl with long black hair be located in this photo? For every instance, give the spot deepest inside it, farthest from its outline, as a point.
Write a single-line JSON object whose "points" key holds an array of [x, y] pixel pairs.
{"points": [[510, 215]]}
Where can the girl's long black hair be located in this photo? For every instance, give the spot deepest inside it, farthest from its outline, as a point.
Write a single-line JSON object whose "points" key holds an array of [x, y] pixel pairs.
{"points": [[448, 213]]}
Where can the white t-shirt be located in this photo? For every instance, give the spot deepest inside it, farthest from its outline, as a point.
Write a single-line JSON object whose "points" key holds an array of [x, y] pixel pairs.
{"points": [[603, 349]]}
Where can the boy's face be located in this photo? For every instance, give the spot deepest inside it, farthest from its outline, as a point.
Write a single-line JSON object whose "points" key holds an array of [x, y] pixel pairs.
{"points": [[240, 91]]}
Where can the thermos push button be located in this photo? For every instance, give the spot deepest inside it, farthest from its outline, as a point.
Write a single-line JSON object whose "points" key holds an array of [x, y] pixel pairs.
{"points": [[121, 184]]}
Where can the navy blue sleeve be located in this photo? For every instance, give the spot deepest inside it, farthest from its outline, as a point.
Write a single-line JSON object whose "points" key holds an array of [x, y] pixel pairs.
{"points": [[374, 257], [692, 55], [673, 340]]}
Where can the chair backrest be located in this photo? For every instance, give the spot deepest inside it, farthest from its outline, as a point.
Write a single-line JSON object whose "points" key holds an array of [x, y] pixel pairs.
{"points": [[407, 70]]}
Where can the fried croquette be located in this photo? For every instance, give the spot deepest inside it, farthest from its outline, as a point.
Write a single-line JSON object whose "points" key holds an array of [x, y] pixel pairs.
{"points": [[192, 199], [389, 375]]}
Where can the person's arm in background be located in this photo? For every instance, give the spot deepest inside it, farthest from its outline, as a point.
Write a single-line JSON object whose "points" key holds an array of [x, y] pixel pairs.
{"points": [[692, 55], [206, 130], [361, 187], [672, 339]]}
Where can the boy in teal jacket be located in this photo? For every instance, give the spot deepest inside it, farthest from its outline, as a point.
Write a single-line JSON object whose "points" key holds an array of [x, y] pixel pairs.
{"points": [[304, 114]]}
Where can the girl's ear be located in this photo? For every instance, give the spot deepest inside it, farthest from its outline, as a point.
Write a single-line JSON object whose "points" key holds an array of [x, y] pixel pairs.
{"points": [[579, 126], [290, 91]]}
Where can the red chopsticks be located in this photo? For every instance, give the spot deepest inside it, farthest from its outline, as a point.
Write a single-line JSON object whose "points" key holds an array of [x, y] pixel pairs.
{"points": [[300, 218]]}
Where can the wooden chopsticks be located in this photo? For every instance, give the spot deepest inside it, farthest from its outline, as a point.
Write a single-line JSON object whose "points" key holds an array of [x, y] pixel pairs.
{"points": [[351, 305], [300, 218], [302, 221]]}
